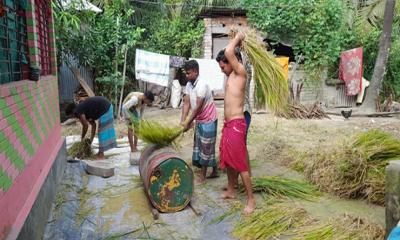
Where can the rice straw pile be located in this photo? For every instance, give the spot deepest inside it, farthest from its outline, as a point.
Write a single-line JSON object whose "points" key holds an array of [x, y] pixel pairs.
{"points": [[271, 221], [155, 133], [344, 228], [271, 86], [81, 150], [356, 169], [281, 187]]}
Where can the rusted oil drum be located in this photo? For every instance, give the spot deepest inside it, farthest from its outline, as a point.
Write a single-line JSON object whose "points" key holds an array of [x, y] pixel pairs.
{"points": [[168, 180]]}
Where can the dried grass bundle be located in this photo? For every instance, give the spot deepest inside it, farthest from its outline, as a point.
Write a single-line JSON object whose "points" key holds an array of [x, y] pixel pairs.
{"points": [[282, 187], [271, 221], [271, 85], [81, 150], [155, 133], [344, 228], [356, 169]]}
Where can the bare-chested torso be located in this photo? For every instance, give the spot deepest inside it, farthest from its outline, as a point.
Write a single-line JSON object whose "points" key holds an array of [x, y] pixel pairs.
{"points": [[234, 96]]}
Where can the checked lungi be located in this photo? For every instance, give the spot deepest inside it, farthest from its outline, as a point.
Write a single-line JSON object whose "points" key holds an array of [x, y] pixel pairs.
{"points": [[204, 144], [107, 139]]}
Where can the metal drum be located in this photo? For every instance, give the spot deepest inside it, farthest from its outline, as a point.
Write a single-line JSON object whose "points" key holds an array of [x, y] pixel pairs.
{"points": [[168, 180]]}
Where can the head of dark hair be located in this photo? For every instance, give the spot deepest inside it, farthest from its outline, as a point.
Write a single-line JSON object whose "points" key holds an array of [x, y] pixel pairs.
{"points": [[149, 95], [69, 110], [221, 55], [191, 65]]}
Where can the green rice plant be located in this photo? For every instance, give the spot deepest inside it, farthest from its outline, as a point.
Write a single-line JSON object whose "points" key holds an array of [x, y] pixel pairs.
{"points": [[155, 133], [272, 88], [270, 221], [282, 187], [81, 150]]}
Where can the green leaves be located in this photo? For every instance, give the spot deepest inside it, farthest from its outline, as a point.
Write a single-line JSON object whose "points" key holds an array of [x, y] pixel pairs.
{"points": [[181, 36], [314, 27]]}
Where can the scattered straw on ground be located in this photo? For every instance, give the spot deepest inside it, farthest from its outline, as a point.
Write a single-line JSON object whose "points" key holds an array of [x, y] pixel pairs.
{"points": [[347, 227]]}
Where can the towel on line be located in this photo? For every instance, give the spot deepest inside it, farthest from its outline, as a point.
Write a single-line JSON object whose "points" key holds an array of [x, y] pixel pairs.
{"points": [[152, 67]]}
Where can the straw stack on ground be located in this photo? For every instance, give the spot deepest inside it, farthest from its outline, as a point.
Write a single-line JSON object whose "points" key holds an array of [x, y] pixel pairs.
{"points": [[355, 169], [346, 227], [287, 221], [155, 133], [270, 222], [271, 86]]}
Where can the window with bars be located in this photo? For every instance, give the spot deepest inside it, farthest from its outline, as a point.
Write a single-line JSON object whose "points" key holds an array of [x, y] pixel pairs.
{"points": [[42, 14], [14, 65]]}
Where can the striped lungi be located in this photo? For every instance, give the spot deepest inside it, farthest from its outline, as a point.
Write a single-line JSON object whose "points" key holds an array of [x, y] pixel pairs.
{"points": [[106, 131], [204, 144]]}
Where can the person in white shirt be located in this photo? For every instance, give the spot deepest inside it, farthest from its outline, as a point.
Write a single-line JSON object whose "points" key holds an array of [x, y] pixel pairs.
{"points": [[132, 110]]}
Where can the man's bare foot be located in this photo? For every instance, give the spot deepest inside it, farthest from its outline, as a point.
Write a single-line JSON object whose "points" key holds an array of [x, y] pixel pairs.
{"points": [[135, 149], [236, 186], [251, 205], [99, 157], [228, 195]]}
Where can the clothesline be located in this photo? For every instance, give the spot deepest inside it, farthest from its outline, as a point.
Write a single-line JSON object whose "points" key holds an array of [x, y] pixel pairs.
{"points": [[154, 68]]}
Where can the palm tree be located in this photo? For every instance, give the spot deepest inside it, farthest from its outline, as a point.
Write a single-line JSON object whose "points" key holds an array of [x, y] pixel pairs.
{"points": [[370, 14], [373, 90]]}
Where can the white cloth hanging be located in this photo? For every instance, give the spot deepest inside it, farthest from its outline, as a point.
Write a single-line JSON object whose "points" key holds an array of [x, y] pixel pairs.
{"points": [[210, 72], [152, 67]]}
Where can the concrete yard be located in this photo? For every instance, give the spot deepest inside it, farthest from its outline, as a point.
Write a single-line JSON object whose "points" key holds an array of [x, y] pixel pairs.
{"points": [[91, 207]]}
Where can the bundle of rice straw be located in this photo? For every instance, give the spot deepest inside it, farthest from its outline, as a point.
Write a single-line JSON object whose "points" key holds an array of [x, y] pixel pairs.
{"points": [[281, 187], [270, 222], [272, 88], [81, 150], [346, 227], [155, 133], [356, 169]]}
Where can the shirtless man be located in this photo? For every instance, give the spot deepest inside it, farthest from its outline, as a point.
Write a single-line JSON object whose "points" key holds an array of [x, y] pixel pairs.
{"points": [[233, 150]]}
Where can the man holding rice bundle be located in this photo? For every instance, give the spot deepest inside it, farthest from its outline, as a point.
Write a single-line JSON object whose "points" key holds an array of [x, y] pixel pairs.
{"points": [[233, 149], [90, 110], [132, 110], [198, 98]]}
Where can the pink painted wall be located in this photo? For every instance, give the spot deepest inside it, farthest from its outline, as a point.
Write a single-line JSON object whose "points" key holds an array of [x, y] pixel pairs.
{"points": [[30, 133], [30, 138]]}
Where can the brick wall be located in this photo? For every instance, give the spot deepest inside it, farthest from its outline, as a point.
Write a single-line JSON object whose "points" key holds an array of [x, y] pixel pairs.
{"points": [[220, 25], [329, 96]]}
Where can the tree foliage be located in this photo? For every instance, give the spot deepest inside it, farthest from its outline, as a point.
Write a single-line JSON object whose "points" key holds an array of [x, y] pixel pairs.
{"points": [[315, 28], [178, 37]]}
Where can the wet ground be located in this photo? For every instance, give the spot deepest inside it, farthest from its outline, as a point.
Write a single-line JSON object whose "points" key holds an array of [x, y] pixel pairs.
{"points": [[90, 207]]}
